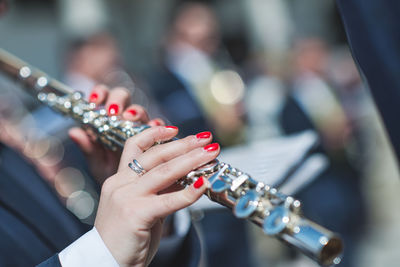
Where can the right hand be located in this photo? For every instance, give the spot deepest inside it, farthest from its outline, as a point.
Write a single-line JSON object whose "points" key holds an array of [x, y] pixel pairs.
{"points": [[132, 207]]}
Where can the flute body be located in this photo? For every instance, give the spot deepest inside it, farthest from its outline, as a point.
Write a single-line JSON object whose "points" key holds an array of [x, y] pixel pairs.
{"points": [[277, 214]]}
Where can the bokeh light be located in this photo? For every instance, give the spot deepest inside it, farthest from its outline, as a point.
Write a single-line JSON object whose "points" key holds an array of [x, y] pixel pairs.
{"points": [[227, 87]]}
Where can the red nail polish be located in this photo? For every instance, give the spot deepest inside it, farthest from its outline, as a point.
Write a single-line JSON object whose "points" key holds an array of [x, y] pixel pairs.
{"points": [[203, 135], [171, 127], [113, 109], [133, 112], [199, 182], [211, 147], [93, 97]]}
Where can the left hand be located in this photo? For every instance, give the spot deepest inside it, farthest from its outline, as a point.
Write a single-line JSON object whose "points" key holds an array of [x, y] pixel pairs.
{"points": [[102, 161]]}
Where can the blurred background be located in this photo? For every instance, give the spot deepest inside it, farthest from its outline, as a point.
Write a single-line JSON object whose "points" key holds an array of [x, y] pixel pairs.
{"points": [[247, 70]]}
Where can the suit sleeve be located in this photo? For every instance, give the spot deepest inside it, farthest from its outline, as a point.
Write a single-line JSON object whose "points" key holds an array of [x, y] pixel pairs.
{"points": [[373, 33], [51, 262]]}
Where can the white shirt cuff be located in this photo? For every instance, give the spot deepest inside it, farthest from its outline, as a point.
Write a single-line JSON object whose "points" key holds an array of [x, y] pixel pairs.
{"points": [[88, 250]]}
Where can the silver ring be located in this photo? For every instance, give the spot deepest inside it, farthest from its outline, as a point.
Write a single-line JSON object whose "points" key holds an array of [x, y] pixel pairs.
{"points": [[136, 167]]}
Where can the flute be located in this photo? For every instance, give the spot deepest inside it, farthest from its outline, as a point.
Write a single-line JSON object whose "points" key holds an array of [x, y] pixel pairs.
{"points": [[277, 214]]}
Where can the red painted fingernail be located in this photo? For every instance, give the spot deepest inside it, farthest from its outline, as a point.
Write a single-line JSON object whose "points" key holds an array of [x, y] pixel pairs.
{"points": [[113, 109], [171, 127], [199, 182], [203, 135], [156, 123], [133, 112], [93, 97], [211, 147]]}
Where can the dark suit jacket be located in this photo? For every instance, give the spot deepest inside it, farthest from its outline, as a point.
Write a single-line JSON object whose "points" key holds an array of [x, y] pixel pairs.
{"points": [[176, 103], [373, 32], [34, 223]]}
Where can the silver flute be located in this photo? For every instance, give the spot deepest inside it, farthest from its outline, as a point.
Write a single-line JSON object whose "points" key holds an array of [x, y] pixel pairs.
{"points": [[277, 214]]}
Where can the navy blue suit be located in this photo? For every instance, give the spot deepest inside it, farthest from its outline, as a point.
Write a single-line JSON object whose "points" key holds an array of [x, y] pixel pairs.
{"points": [[176, 103], [373, 31], [34, 223]]}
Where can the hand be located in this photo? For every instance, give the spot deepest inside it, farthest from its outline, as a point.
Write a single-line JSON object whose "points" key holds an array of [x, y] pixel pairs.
{"points": [[102, 161], [132, 208]]}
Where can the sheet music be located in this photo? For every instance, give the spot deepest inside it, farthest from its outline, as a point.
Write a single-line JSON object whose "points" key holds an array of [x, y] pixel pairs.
{"points": [[270, 161], [305, 174]]}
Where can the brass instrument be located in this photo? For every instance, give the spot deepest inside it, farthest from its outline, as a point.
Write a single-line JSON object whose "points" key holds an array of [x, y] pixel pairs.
{"points": [[277, 214]]}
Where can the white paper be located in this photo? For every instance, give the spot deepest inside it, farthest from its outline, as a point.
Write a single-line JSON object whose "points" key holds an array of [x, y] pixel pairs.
{"points": [[270, 161]]}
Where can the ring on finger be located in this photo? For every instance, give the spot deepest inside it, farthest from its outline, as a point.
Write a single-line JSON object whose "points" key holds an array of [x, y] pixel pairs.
{"points": [[136, 167]]}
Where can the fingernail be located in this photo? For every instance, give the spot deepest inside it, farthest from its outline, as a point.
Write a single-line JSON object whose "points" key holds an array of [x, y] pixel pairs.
{"points": [[133, 112], [157, 123], [93, 97], [171, 127], [203, 135], [211, 147], [199, 182], [113, 109]]}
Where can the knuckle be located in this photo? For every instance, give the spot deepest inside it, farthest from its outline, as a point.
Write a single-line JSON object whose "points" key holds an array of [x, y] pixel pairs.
{"points": [[107, 187], [187, 198], [131, 142], [190, 141], [168, 203], [185, 145], [195, 155], [165, 156], [197, 158], [116, 198], [166, 170], [122, 91], [158, 131], [154, 133]]}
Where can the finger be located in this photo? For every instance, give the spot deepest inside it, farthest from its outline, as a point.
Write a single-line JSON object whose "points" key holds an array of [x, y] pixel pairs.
{"points": [[166, 152], [99, 94], [156, 122], [80, 137], [169, 203], [117, 99], [162, 176], [135, 113], [141, 142]]}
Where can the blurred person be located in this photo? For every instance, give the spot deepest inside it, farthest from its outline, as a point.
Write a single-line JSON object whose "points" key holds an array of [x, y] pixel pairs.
{"points": [[313, 104], [264, 99], [314, 94], [183, 85], [90, 61], [183, 88]]}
